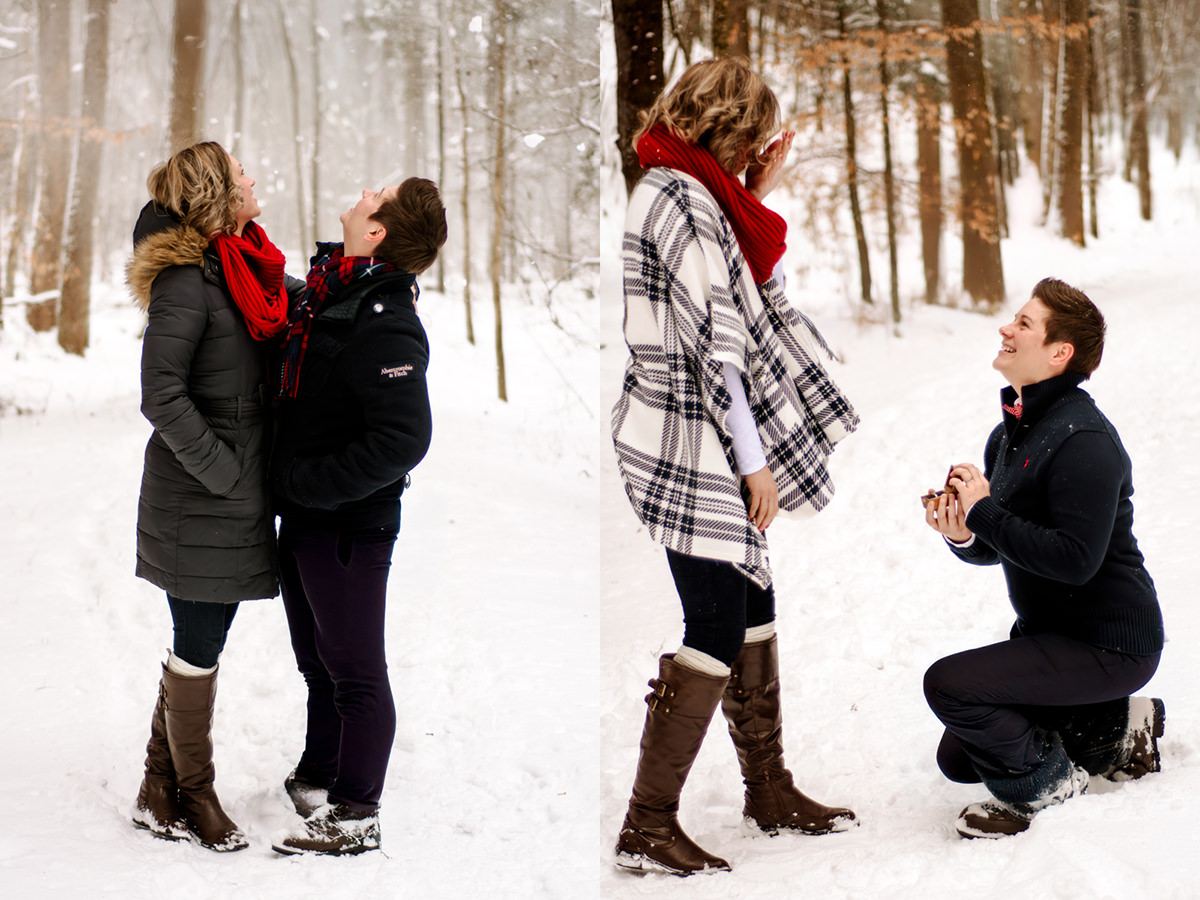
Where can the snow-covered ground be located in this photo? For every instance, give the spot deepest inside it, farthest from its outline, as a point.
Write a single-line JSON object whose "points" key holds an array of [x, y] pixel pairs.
{"points": [[491, 634], [527, 610]]}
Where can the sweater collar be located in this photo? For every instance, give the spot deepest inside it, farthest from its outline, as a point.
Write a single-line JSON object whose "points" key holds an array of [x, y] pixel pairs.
{"points": [[1037, 399]]}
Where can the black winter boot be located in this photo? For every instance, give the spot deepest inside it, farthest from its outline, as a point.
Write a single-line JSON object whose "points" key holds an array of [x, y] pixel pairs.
{"points": [[1019, 798]]}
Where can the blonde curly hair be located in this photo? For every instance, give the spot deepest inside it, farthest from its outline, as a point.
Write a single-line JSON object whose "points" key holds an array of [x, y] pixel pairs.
{"points": [[721, 105], [198, 185]]}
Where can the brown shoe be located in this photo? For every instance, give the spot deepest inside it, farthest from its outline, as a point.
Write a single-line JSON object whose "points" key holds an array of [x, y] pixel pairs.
{"points": [[157, 806], [751, 706], [1055, 780], [188, 701], [1147, 722], [679, 710]]}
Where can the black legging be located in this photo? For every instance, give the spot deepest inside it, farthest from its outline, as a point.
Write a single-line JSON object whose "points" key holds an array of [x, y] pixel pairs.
{"points": [[200, 629], [719, 604]]}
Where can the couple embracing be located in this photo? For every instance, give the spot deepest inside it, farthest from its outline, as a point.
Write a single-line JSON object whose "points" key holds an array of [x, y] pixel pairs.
{"points": [[236, 352]]}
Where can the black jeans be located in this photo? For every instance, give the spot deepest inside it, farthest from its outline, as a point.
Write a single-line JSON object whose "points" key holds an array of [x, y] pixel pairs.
{"points": [[200, 629], [334, 588], [999, 702], [719, 604]]}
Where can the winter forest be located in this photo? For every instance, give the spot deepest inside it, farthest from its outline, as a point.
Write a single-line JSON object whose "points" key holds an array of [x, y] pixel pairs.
{"points": [[948, 155], [497, 102]]}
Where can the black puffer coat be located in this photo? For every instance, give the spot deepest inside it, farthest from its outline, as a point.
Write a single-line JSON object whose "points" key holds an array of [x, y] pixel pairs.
{"points": [[204, 527]]}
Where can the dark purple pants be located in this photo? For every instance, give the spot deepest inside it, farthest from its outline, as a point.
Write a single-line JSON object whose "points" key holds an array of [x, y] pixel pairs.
{"points": [[998, 702], [334, 588]]}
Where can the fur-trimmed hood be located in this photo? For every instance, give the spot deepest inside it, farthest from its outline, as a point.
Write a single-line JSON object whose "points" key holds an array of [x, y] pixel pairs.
{"points": [[160, 241]]}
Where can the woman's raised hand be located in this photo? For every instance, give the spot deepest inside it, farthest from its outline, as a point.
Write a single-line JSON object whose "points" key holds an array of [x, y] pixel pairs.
{"points": [[764, 174]]}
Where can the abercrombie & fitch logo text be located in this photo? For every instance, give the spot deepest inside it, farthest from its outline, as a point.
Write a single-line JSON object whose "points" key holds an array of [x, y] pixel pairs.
{"points": [[396, 371]]}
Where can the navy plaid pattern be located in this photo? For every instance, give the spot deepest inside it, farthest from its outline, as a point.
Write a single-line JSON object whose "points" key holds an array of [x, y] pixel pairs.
{"points": [[690, 306]]}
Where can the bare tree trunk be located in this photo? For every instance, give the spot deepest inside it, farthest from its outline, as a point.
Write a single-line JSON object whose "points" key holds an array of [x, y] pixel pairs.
{"points": [[500, 51], [1033, 81], [24, 178], [187, 88], [318, 101], [638, 28], [239, 77], [731, 28], [889, 179], [464, 109], [864, 259], [1070, 134], [440, 75], [77, 279], [1092, 118], [983, 273], [1053, 66], [685, 29], [1139, 140], [929, 174], [54, 87], [289, 55]]}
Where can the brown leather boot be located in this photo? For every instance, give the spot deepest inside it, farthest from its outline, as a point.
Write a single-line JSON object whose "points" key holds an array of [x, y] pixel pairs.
{"points": [[680, 708], [751, 706], [188, 701], [157, 805]]}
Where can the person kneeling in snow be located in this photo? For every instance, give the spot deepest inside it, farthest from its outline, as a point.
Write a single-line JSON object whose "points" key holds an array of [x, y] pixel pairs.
{"points": [[354, 420], [1032, 717]]}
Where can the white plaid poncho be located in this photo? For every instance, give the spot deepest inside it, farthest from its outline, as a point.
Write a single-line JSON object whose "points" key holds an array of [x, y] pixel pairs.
{"points": [[691, 305]]}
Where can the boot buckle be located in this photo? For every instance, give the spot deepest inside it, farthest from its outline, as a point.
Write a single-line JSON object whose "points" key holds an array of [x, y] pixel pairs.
{"points": [[658, 699]]}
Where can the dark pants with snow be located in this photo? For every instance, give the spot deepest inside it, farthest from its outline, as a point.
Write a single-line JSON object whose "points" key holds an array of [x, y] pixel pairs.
{"points": [[200, 629], [334, 588], [719, 604], [999, 703]]}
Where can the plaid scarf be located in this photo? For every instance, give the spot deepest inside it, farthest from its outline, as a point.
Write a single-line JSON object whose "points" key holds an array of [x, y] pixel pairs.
{"points": [[326, 280], [253, 271], [760, 231], [690, 307]]}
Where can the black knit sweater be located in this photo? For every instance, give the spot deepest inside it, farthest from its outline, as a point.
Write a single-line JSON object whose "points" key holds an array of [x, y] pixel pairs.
{"points": [[1059, 521]]}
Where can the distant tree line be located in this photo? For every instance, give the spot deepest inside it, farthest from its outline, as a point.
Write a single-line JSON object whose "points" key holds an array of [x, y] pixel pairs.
{"points": [[496, 100], [1062, 85]]}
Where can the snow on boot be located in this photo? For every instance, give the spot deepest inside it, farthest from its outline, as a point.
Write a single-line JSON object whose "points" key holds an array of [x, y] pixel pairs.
{"points": [[678, 713], [1147, 721], [333, 830], [305, 796], [157, 806], [1018, 799], [752, 708], [188, 704]]}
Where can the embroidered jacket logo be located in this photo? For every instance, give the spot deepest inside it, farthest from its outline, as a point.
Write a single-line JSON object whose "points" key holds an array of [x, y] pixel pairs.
{"points": [[395, 371]]}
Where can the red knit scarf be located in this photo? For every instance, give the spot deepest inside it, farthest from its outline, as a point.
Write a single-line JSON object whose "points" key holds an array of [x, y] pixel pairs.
{"points": [[760, 232], [253, 270]]}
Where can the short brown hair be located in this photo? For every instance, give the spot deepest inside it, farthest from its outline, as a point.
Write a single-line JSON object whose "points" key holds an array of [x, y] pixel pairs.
{"points": [[415, 221], [1073, 318], [198, 186], [718, 104]]}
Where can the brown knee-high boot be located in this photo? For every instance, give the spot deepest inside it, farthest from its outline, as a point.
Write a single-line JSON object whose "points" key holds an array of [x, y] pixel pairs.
{"points": [[157, 805], [751, 706], [188, 705], [680, 708]]}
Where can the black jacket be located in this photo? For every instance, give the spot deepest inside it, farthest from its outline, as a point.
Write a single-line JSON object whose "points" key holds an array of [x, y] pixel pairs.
{"points": [[1059, 521], [361, 420], [204, 530]]}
